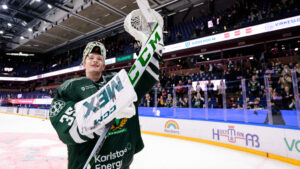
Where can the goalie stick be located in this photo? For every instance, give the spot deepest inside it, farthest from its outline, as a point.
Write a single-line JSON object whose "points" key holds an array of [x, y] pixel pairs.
{"points": [[149, 48], [89, 163]]}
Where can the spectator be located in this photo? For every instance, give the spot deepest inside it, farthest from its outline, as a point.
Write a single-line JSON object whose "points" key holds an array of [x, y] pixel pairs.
{"points": [[210, 89], [161, 102], [256, 105], [220, 93], [251, 17], [297, 69], [180, 89], [232, 103], [254, 85], [212, 102], [197, 31], [178, 36], [198, 101], [286, 69], [275, 50], [169, 101], [148, 101], [287, 97], [183, 102], [276, 102], [259, 16], [285, 81], [198, 87]]}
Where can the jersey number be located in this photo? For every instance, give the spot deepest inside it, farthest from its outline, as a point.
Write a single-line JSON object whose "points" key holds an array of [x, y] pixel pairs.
{"points": [[68, 116]]}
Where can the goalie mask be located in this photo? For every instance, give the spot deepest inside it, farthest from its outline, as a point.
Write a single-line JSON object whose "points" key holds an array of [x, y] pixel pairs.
{"points": [[94, 47]]}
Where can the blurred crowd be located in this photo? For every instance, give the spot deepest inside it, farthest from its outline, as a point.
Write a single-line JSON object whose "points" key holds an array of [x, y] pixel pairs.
{"points": [[180, 88], [242, 13], [245, 13]]}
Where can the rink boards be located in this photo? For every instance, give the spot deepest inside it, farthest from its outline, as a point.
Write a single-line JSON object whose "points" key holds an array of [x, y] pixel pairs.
{"points": [[32, 112], [277, 143], [273, 142]]}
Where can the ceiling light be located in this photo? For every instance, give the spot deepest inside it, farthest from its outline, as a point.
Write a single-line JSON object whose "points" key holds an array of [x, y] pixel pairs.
{"points": [[29, 29], [198, 4], [185, 9], [8, 37], [9, 24], [22, 37], [171, 14], [4, 6], [37, 0], [49, 6], [1, 31], [24, 23]]}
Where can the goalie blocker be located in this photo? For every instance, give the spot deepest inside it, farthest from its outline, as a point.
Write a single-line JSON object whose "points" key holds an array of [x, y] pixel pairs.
{"points": [[113, 100], [124, 138]]}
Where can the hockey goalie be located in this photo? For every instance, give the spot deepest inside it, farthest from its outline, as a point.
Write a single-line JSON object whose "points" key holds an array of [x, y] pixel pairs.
{"points": [[96, 116]]}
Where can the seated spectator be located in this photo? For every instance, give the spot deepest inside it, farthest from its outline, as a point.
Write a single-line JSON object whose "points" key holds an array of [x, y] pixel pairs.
{"points": [[259, 15], [255, 104], [232, 103], [285, 81], [183, 102], [198, 101], [164, 93], [212, 102], [169, 101], [161, 102], [292, 105], [297, 69], [286, 69], [251, 17], [178, 36], [148, 101], [197, 32], [275, 50]]}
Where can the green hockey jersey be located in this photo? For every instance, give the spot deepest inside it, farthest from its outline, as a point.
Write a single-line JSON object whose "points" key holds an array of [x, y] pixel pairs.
{"points": [[124, 138]]}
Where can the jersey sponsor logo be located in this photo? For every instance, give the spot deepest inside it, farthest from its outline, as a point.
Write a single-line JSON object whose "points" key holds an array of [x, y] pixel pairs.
{"points": [[108, 161], [84, 88], [118, 127], [56, 107]]}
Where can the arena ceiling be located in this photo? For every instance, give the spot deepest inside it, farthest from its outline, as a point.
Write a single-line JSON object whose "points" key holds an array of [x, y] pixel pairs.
{"points": [[41, 26]]}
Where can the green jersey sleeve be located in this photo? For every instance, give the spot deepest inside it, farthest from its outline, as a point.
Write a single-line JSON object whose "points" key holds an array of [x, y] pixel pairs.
{"points": [[62, 113]]}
